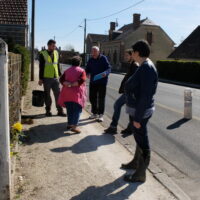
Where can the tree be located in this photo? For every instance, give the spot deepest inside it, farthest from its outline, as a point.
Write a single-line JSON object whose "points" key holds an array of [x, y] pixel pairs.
{"points": [[69, 47]]}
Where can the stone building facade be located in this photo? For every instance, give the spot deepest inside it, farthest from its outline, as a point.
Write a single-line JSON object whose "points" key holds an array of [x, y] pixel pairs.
{"points": [[120, 40]]}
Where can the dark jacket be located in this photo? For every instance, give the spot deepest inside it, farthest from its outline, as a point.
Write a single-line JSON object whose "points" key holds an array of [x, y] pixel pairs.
{"points": [[97, 66], [42, 65], [131, 70], [141, 88]]}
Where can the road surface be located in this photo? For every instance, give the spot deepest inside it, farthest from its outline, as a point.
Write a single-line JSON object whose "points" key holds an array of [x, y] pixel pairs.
{"points": [[175, 139]]}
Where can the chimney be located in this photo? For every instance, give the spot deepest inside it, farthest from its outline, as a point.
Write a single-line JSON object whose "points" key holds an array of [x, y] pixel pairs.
{"points": [[112, 28], [136, 20]]}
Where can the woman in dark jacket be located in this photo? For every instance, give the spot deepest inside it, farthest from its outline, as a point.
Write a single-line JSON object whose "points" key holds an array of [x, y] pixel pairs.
{"points": [[121, 101], [140, 90]]}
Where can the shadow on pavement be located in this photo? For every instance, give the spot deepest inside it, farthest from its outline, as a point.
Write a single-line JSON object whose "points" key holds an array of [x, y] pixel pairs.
{"points": [[46, 133], [111, 191], [87, 144], [177, 124]]}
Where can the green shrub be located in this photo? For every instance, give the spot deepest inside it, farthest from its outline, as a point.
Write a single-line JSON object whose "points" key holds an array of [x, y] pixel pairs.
{"points": [[25, 65], [183, 71]]}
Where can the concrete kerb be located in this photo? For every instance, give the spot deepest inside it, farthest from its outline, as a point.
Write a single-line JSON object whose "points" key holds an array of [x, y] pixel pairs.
{"points": [[157, 173]]}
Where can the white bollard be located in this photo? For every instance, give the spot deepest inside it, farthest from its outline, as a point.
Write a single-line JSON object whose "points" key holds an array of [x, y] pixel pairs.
{"points": [[5, 172], [188, 103]]}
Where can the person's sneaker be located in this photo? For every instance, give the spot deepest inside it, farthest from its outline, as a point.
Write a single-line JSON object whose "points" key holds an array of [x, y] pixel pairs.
{"points": [[75, 129], [111, 130], [61, 114], [93, 116], [100, 118], [48, 114]]}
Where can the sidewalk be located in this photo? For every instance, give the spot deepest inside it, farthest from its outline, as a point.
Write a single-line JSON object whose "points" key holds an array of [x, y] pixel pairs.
{"points": [[59, 165]]}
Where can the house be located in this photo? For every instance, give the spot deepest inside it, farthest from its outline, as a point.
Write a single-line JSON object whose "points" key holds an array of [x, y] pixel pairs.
{"points": [[13, 21], [120, 40], [94, 40], [189, 49]]}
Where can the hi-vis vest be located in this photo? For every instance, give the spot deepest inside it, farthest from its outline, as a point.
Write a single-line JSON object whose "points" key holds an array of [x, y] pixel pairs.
{"points": [[51, 67]]}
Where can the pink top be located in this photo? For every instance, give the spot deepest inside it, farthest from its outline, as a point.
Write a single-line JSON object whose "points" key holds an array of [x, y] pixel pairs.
{"points": [[77, 94]]}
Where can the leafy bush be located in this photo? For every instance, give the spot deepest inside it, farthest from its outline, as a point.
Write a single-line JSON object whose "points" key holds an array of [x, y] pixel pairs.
{"points": [[25, 65], [184, 71]]}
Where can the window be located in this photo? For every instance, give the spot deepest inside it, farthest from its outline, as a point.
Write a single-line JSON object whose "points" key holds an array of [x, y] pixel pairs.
{"points": [[149, 37], [115, 57]]}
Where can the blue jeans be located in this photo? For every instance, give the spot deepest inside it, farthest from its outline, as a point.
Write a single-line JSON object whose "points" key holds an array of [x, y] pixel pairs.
{"points": [[117, 110], [73, 112]]}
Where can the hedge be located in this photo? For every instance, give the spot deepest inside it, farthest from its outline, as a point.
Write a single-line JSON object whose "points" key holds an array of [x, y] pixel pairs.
{"points": [[25, 65], [183, 71]]}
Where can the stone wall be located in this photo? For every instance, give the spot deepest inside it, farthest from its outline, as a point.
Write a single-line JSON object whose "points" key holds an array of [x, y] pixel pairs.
{"points": [[14, 75], [113, 51], [161, 47]]}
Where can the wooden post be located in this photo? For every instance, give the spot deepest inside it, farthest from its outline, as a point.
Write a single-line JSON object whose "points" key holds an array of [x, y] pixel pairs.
{"points": [[5, 174]]}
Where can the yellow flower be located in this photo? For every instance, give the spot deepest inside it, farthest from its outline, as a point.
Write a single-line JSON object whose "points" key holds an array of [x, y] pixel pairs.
{"points": [[18, 126]]}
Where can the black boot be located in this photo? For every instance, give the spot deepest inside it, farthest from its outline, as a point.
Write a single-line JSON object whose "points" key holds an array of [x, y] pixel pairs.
{"points": [[134, 163], [111, 130], [140, 174], [126, 131]]}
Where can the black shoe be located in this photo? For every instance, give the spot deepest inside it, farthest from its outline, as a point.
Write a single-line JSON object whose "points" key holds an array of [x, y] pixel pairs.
{"points": [[126, 131], [48, 114], [111, 130], [61, 114]]}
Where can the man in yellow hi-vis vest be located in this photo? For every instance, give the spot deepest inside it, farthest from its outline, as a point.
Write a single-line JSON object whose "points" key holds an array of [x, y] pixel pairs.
{"points": [[49, 76]]}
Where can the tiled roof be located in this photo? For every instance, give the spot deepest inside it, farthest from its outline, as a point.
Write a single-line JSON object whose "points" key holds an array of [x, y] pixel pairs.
{"points": [[128, 28], [13, 12], [189, 48], [98, 37]]}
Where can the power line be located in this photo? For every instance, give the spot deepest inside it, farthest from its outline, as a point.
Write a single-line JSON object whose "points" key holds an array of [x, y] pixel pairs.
{"points": [[66, 35], [100, 18]]}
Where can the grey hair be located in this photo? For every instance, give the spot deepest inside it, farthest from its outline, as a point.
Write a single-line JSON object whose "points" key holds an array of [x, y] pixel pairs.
{"points": [[96, 47]]}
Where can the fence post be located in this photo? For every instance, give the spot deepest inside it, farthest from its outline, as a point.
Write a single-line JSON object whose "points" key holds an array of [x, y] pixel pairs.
{"points": [[5, 172], [188, 103]]}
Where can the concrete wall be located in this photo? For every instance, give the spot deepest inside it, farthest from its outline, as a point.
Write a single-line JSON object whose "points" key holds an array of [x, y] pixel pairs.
{"points": [[161, 47]]}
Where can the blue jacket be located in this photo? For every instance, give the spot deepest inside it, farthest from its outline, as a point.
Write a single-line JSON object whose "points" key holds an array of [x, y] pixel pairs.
{"points": [[141, 88], [96, 66]]}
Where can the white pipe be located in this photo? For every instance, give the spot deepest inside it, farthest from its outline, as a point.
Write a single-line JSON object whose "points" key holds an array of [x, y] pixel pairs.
{"points": [[5, 172]]}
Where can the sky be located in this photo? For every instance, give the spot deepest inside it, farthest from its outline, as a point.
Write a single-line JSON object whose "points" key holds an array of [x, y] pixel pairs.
{"points": [[61, 18]]}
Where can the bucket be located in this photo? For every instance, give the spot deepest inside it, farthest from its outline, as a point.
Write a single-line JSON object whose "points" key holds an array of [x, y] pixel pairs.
{"points": [[38, 98]]}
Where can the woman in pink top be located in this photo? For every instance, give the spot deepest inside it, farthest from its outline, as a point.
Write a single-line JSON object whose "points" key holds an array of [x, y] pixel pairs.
{"points": [[73, 94]]}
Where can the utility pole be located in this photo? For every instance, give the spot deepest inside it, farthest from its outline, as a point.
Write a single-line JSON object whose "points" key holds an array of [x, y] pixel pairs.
{"points": [[84, 47], [33, 40], [5, 169], [54, 37]]}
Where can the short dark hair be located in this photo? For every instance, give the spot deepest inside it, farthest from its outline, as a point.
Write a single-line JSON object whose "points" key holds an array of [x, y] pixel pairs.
{"points": [[50, 42], [129, 51], [142, 47], [76, 61]]}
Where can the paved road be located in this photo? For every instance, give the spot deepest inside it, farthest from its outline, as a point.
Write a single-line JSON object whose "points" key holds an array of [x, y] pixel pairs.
{"points": [[173, 138]]}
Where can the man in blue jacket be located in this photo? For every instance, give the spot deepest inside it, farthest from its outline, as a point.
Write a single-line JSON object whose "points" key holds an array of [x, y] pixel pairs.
{"points": [[98, 68], [140, 90]]}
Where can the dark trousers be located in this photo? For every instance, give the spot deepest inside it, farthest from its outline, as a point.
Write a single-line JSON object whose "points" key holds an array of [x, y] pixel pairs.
{"points": [[97, 98], [73, 113], [51, 84], [141, 134]]}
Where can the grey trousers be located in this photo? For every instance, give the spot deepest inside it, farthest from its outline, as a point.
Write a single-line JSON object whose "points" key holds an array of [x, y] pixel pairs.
{"points": [[51, 83]]}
